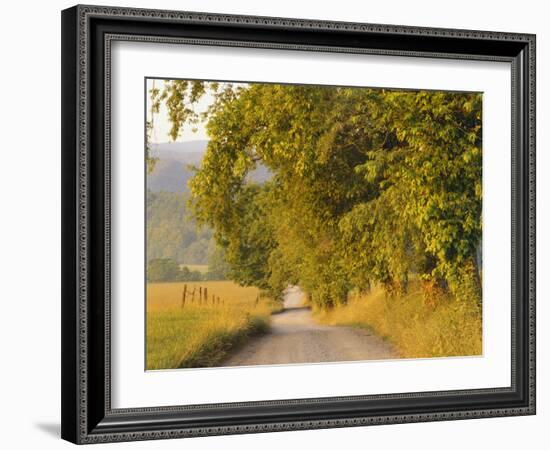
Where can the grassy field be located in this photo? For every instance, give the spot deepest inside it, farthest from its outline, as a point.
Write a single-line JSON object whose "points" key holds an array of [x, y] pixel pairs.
{"points": [[200, 334], [418, 331]]}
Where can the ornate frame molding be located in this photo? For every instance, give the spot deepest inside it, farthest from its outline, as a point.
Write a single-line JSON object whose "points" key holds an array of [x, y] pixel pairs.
{"points": [[80, 418]]}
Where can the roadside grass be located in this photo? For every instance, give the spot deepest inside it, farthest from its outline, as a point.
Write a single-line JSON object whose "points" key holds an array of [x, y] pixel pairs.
{"points": [[417, 330], [201, 335]]}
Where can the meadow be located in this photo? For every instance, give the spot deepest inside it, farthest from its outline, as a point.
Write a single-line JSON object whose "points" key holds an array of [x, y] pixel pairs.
{"points": [[200, 333], [416, 329]]}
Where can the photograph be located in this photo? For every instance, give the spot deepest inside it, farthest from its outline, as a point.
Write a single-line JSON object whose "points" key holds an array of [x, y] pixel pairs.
{"points": [[303, 223], [290, 219]]}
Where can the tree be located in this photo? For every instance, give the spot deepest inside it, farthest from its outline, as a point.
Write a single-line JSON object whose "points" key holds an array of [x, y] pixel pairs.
{"points": [[185, 274], [368, 186], [162, 269], [218, 269]]}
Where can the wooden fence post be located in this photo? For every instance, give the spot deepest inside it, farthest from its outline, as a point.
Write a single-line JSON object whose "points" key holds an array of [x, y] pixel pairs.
{"points": [[206, 296], [193, 294], [183, 295], [200, 295]]}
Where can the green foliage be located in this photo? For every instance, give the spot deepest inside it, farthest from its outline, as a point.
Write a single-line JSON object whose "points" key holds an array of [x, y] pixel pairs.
{"points": [[186, 274], [172, 232], [427, 215], [368, 186], [218, 269], [162, 269], [179, 97], [166, 269]]}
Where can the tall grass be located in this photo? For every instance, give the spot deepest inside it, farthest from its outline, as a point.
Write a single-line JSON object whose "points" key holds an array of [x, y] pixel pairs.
{"points": [[450, 328], [199, 335]]}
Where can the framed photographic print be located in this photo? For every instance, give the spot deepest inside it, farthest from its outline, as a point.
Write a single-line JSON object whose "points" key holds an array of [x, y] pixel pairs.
{"points": [[281, 224]]}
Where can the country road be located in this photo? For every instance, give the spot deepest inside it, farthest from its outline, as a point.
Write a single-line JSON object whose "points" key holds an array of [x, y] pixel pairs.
{"points": [[295, 337]]}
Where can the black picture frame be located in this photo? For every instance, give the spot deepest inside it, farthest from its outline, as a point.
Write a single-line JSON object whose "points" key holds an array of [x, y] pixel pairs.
{"points": [[87, 416]]}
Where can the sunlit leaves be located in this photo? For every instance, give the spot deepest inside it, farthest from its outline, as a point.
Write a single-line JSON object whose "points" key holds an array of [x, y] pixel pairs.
{"points": [[369, 185]]}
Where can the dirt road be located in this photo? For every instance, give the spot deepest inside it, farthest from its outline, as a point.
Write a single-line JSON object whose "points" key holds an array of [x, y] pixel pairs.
{"points": [[295, 338]]}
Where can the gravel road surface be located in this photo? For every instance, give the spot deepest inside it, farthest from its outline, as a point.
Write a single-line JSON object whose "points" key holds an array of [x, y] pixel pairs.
{"points": [[295, 338]]}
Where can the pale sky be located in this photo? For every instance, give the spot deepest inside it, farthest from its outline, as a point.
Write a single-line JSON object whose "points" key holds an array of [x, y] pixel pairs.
{"points": [[162, 125]]}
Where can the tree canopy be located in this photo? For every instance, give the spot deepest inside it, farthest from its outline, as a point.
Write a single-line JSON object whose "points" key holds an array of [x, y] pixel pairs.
{"points": [[368, 186]]}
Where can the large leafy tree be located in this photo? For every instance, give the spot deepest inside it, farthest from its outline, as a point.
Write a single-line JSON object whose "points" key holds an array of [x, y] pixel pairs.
{"points": [[368, 186]]}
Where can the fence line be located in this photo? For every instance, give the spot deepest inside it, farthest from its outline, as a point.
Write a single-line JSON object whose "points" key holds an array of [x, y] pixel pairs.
{"points": [[215, 300]]}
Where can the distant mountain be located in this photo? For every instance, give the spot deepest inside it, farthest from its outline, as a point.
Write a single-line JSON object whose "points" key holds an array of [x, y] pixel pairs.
{"points": [[179, 151], [172, 172]]}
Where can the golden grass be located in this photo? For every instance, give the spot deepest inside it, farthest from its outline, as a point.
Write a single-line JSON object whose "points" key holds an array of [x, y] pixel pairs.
{"points": [[200, 335], [417, 331]]}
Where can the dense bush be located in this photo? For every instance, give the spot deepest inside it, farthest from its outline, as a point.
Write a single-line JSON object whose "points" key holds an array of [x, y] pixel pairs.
{"points": [[166, 269], [162, 269]]}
